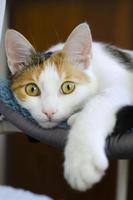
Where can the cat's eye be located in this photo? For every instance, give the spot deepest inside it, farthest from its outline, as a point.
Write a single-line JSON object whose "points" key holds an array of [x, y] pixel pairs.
{"points": [[68, 87], [32, 89]]}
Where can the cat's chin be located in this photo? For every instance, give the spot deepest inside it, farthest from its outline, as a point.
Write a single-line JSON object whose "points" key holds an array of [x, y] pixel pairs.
{"points": [[48, 124]]}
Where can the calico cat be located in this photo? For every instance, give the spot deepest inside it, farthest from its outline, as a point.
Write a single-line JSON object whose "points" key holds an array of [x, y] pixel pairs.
{"points": [[82, 81]]}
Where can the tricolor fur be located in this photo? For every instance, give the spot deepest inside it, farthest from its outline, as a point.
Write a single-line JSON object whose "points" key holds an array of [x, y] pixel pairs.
{"points": [[103, 80]]}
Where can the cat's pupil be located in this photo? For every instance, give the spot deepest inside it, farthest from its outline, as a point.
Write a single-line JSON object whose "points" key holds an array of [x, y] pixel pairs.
{"points": [[32, 89], [68, 87]]}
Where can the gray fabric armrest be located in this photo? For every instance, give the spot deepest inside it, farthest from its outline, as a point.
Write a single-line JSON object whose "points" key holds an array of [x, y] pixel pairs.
{"points": [[117, 146]]}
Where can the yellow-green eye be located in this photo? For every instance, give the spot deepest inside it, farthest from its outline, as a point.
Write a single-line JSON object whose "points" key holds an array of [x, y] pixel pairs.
{"points": [[68, 87], [32, 89]]}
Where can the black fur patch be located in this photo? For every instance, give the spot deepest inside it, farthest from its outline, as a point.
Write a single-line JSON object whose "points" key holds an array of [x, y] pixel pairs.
{"points": [[122, 56], [124, 123], [38, 58], [46, 55]]}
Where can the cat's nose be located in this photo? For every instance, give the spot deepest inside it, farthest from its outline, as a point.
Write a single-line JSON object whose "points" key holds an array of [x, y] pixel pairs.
{"points": [[49, 114]]}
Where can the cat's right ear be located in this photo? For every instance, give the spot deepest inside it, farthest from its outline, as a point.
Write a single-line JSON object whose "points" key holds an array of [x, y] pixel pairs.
{"points": [[19, 51]]}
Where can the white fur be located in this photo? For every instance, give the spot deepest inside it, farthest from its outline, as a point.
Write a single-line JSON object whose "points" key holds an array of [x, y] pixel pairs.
{"points": [[52, 99], [85, 159], [110, 87]]}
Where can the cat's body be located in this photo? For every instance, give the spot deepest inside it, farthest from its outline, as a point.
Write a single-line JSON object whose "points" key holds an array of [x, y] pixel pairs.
{"points": [[94, 77]]}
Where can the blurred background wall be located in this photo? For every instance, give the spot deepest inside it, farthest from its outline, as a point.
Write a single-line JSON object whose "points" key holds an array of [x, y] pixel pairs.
{"points": [[38, 167]]}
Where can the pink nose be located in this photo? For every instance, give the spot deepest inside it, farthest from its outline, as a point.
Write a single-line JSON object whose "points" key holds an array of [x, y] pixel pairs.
{"points": [[49, 114]]}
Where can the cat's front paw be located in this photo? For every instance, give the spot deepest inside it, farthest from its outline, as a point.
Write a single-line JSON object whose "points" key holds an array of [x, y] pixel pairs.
{"points": [[83, 171]]}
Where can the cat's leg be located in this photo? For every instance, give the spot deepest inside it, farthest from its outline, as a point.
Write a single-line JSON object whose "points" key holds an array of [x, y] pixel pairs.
{"points": [[85, 159]]}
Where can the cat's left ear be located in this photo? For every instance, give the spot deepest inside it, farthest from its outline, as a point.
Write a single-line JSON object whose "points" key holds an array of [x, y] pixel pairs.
{"points": [[78, 46], [19, 51]]}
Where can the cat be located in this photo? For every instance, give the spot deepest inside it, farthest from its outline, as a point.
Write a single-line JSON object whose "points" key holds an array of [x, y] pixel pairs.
{"points": [[83, 81]]}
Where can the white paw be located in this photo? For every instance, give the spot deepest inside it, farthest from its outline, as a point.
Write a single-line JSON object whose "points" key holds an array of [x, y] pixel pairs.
{"points": [[83, 171]]}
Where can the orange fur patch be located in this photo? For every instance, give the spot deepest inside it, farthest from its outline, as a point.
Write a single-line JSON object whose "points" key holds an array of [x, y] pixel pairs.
{"points": [[29, 75], [71, 72]]}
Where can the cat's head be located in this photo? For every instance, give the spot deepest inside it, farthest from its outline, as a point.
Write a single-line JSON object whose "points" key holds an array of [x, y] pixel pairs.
{"points": [[53, 88]]}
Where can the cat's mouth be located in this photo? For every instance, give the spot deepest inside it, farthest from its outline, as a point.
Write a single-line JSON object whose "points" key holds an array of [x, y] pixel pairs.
{"points": [[49, 124], [56, 121]]}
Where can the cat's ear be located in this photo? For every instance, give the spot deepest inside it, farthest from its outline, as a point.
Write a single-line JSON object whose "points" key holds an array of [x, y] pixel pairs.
{"points": [[78, 46], [19, 51]]}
